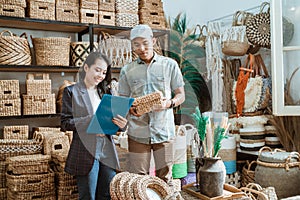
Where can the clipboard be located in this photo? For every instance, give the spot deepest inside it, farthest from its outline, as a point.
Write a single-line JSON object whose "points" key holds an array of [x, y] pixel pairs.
{"points": [[109, 107]]}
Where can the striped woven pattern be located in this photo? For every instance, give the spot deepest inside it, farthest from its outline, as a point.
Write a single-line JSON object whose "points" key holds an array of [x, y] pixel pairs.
{"points": [[14, 50]]}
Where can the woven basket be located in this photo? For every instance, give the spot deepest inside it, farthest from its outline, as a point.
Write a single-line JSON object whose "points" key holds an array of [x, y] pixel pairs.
{"points": [[14, 50], [248, 173], [9, 148], [45, 195], [39, 104], [10, 107], [127, 19], [55, 143], [41, 9], [67, 13], [28, 164], [107, 18], [21, 3], [106, 5], [52, 51], [38, 84], [144, 104], [9, 89], [88, 16], [12, 10], [31, 182], [127, 6], [16, 132], [79, 52]]}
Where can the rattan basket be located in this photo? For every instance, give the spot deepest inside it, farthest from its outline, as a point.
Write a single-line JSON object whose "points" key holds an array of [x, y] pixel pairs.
{"points": [[12, 10], [9, 89], [89, 4], [45, 195], [127, 19], [55, 143], [16, 132], [106, 5], [67, 13], [41, 9], [248, 173], [21, 3], [52, 51], [9, 148], [10, 107], [39, 104], [38, 83], [107, 18], [14, 50], [88, 16], [28, 164]]}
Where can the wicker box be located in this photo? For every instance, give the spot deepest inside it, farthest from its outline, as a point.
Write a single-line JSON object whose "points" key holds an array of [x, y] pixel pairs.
{"points": [[127, 19], [70, 3], [39, 104], [10, 107], [52, 51], [41, 9], [106, 5], [48, 195], [89, 4], [38, 84], [12, 10], [151, 5], [127, 6], [29, 164], [9, 89], [67, 13], [21, 3], [88, 16], [155, 19], [16, 132], [55, 143], [144, 104], [31, 182], [107, 18]]}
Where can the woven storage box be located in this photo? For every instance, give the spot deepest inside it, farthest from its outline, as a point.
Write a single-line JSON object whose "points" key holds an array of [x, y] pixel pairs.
{"points": [[31, 182], [16, 132], [9, 89], [127, 19], [10, 107], [88, 16], [107, 18], [68, 192], [41, 9], [80, 51], [89, 4], [47, 129], [106, 5], [55, 143], [14, 50], [145, 103], [127, 6], [71, 3], [9, 148], [38, 195], [21, 3], [153, 19], [52, 51], [12, 10], [67, 13], [39, 104], [29, 164], [37, 84], [151, 5]]}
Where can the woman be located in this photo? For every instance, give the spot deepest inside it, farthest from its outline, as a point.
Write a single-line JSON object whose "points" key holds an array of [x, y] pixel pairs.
{"points": [[92, 157]]}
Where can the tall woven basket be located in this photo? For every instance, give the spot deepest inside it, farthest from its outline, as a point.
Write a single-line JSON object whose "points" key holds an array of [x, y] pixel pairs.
{"points": [[14, 50], [52, 51]]}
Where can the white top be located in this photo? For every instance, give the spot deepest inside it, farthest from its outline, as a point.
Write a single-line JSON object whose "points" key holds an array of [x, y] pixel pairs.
{"points": [[94, 97]]}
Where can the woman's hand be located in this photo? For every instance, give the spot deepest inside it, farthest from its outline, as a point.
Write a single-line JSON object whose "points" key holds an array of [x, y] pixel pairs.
{"points": [[120, 121]]}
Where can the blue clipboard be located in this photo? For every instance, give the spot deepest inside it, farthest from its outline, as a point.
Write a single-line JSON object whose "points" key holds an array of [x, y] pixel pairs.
{"points": [[109, 107]]}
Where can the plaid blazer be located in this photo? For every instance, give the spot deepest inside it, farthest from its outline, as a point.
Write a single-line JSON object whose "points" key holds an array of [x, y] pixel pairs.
{"points": [[76, 114]]}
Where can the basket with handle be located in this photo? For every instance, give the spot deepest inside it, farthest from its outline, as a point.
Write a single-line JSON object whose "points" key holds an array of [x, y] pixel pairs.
{"points": [[38, 83], [14, 50], [248, 173]]}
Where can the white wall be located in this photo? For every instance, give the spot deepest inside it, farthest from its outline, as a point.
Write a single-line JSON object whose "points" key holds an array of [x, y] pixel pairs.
{"points": [[202, 11]]}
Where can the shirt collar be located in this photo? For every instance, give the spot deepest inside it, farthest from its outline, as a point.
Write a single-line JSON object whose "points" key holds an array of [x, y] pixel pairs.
{"points": [[139, 61]]}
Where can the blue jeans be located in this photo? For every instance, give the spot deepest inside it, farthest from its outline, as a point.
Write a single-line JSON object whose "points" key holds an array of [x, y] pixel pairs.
{"points": [[95, 186]]}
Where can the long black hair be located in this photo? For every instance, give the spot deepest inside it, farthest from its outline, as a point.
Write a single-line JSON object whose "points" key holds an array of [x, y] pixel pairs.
{"points": [[90, 60]]}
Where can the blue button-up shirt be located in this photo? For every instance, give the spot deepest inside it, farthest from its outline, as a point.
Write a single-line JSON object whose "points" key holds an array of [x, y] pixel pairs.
{"points": [[137, 79]]}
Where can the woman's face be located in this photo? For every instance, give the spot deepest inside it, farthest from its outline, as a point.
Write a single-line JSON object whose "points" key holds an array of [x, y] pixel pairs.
{"points": [[95, 73]]}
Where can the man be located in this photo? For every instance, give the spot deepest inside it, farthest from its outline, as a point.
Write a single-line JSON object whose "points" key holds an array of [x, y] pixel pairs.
{"points": [[155, 130]]}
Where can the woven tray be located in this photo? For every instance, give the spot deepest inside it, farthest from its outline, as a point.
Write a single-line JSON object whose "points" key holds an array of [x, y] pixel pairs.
{"points": [[145, 103], [28, 164], [31, 182]]}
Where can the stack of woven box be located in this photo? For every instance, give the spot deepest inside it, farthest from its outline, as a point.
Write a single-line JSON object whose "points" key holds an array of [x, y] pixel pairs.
{"points": [[39, 99], [151, 12], [14, 8], [127, 13], [107, 12], [67, 10], [3, 188], [88, 11], [10, 101], [41, 9], [29, 176]]}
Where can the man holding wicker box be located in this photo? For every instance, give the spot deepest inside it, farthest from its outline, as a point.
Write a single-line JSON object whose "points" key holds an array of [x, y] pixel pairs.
{"points": [[153, 131]]}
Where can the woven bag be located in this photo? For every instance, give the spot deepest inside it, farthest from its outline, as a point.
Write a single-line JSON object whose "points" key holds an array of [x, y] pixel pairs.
{"points": [[248, 173], [14, 50], [258, 27], [234, 40], [254, 191], [201, 37]]}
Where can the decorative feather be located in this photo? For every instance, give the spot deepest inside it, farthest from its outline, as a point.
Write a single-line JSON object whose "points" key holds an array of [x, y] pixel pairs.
{"points": [[219, 135]]}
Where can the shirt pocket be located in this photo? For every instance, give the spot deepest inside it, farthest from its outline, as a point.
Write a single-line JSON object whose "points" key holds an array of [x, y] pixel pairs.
{"points": [[160, 81], [137, 87]]}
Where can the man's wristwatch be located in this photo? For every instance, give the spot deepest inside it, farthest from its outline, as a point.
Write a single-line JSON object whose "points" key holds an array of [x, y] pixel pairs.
{"points": [[172, 104]]}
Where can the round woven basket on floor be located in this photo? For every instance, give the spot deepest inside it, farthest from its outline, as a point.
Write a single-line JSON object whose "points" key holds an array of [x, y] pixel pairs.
{"points": [[52, 51]]}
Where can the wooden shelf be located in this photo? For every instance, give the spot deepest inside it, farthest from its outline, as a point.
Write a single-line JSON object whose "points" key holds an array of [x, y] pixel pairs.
{"points": [[31, 116], [32, 68]]}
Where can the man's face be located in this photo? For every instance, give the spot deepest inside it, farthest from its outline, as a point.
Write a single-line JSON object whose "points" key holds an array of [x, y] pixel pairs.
{"points": [[143, 47]]}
